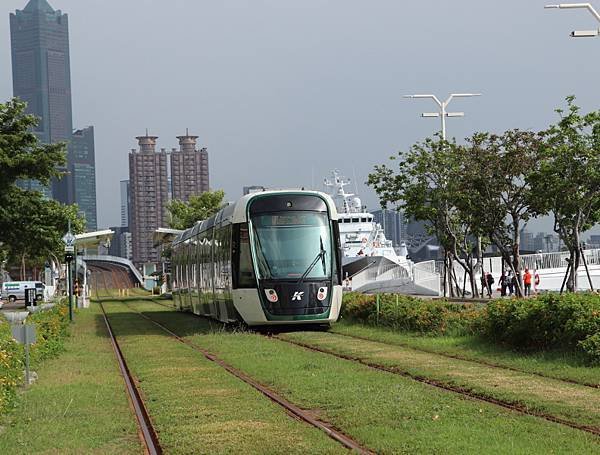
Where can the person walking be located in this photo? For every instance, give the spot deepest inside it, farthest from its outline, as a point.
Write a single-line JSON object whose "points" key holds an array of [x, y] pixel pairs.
{"points": [[490, 281], [536, 281], [527, 282], [504, 283], [510, 282]]}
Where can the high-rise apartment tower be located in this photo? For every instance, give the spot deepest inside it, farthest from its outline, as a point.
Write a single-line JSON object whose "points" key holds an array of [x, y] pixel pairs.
{"points": [[189, 168], [148, 192]]}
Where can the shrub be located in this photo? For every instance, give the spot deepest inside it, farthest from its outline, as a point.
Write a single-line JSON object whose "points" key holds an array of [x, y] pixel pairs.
{"points": [[591, 347], [545, 322], [51, 331], [407, 313]]}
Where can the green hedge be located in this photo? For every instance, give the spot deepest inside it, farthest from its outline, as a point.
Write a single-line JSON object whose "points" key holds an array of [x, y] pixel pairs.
{"points": [[549, 321], [51, 328], [402, 312]]}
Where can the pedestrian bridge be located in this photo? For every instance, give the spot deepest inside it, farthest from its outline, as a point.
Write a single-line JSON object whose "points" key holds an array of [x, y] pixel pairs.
{"points": [[106, 261]]}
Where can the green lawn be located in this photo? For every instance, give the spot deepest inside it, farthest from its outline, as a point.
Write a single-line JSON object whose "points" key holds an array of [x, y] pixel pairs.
{"points": [[385, 412], [79, 403], [572, 402], [196, 406], [560, 365]]}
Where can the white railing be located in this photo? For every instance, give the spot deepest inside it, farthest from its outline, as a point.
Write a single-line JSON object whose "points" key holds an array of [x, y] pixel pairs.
{"points": [[383, 272], [425, 276]]}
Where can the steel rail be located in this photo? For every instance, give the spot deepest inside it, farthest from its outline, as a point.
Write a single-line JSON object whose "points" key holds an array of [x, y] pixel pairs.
{"points": [[148, 434], [447, 387], [467, 359], [290, 408]]}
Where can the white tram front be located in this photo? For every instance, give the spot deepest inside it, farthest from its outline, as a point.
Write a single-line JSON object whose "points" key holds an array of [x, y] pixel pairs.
{"points": [[273, 257]]}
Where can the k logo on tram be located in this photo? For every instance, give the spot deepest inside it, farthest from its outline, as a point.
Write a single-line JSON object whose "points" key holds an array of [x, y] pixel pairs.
{"points": [[297, 295]]}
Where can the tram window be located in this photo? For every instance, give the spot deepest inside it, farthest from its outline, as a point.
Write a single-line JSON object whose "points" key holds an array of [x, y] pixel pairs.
{"points": [[243, 269], [355, 220]]}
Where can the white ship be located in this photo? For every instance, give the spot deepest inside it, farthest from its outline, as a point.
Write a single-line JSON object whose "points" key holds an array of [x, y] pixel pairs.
{"points": [[370, 262]]}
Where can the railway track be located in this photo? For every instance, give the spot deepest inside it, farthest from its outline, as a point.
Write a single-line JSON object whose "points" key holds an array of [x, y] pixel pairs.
{"points": [[467, 359], [445, 386], [289, 407], [148, 434], [144, 420], [521, 409]]}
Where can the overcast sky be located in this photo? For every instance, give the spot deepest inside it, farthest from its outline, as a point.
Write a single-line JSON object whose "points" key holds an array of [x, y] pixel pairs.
{"points": [[282, 92]]}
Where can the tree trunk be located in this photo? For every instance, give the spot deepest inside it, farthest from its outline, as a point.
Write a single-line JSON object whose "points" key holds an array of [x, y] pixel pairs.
{"points": [[22, 271]]}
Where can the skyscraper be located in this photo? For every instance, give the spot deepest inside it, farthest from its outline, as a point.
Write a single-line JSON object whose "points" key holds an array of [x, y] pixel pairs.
{"points": [[125, 204], [82, 169], [148, 191], [393, 224], [189, 168], [42, 77]]}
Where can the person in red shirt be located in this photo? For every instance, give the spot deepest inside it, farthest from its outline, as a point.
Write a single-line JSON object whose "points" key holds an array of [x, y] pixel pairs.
{"points": [[527, 282]]}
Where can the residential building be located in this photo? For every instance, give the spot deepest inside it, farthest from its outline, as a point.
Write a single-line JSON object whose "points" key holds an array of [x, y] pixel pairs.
{"points": [[189, 169], [148, 189]]}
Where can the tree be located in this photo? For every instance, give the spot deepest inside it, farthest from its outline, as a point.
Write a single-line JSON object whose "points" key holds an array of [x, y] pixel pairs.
{"points": [[567, 180], [425, 187], [200, 207], [495, 190], [33, 227], [21, 155]]}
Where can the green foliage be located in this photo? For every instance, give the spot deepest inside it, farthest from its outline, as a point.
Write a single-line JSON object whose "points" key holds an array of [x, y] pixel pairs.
{"points": [[31, 226], [11, 367], [591, 347], [405, 313], [51, 328], [21, 155], [548, 321], [200, 207]]}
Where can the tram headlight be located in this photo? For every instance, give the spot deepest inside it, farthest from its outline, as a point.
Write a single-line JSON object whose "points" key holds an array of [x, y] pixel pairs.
{"points": [[322, 293], [271, 295]]}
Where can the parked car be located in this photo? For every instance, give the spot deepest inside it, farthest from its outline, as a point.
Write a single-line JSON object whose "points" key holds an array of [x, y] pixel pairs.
{"points": [[15, 290]]}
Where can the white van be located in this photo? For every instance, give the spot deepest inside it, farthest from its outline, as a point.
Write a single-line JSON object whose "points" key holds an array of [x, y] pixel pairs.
{"points": [[15, 290]]}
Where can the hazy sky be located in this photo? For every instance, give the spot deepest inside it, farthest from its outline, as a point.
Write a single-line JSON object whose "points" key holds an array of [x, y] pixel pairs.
{"points": [[283, 91]]}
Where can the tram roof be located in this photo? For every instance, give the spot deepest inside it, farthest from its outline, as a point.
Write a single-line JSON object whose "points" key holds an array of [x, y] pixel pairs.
{"points": [[236, 212]]}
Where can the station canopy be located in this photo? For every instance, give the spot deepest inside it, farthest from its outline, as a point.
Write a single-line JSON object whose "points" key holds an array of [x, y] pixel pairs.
{"points": [[163, 236], [93, 239]]}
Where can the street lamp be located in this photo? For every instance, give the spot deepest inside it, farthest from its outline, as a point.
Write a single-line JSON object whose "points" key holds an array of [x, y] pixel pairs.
{"points": [[443, 113], [590, 8]]}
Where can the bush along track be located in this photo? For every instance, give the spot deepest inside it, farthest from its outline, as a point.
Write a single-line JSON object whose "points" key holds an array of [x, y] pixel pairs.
{"points": [[568, 322], [383, 411], [196, 406], [52, 330]]}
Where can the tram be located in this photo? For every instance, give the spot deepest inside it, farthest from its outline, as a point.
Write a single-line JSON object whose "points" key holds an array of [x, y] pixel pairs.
{"points": [[271, 258]]}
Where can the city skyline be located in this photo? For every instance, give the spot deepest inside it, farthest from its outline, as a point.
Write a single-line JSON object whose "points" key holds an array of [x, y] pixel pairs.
{"points": [[332, 96]]}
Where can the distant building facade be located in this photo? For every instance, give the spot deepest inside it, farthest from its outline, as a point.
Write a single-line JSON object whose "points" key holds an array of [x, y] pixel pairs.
{"points": [[125, 203], [82, 169], [148, 190], [393, 224], [189, 169], [42, 78], [252, 189], [121, 243]]}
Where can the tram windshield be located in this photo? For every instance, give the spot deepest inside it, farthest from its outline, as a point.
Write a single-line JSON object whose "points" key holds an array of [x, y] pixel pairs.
{"points": [[286, 244]]}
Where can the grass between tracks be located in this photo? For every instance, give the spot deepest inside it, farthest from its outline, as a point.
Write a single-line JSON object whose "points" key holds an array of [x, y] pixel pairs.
{"points": [[386, 412], [79, 403], [196, 406], [561, 365], [572, 402]]}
